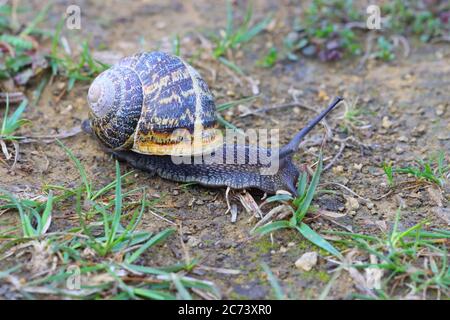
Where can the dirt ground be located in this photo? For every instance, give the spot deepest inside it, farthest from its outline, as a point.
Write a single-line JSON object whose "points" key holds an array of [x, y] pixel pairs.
{"points": [[405, 115]]}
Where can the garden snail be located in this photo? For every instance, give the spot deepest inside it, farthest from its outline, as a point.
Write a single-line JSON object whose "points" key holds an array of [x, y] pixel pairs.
{"points": [[136, 106]]}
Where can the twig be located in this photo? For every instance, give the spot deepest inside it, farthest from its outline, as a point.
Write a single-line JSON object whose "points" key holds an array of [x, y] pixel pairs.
{"points": [[347, 189], [369, 45], [265, 109], [336, 157], [161, 217], [13, 97], [50, 138]]}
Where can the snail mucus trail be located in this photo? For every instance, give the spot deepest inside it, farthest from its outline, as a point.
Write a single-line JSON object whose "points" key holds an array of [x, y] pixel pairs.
{"points": [[133, 123]]}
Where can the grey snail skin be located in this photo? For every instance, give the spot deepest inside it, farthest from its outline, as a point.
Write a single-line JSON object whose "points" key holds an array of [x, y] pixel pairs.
{"points": [[137, 105]]}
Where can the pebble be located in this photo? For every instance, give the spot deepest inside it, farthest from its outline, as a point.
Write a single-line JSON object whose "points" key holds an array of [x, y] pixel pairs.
{"points": [[358, 166], [403, 139], [352, 203], [60, 86], [231, 93], [283, 249], [440, 109], [386, 123], [419, 130], [160, 25], [399, 150], [193, 241], [307, 261], [338, 169]]}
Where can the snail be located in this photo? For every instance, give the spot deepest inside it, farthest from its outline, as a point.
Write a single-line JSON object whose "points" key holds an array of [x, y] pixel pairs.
{"points": [[139, 106]]}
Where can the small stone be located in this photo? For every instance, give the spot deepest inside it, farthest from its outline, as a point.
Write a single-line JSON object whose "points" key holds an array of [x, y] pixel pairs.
{"points": [[291, 244], [358, 166], [403, 139], [307, 261], [231, 93], [283, 249], [419, 130], [399, 150], [199, 202], [193, 241], [352, 203], [386, 123], [322, 95], [440, 110], [60, 86], [338, 169], [369, 205], [160, 25]]}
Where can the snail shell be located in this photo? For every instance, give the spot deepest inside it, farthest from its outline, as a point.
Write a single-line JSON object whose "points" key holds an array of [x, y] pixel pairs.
{"points": [[154, 103]]}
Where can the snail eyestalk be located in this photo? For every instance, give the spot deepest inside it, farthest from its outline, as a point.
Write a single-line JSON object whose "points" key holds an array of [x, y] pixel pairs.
{"points": [[292, 146]]}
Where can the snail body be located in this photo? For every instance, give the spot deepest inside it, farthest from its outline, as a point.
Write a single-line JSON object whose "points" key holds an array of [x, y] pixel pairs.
{"points": [[150, 108]]}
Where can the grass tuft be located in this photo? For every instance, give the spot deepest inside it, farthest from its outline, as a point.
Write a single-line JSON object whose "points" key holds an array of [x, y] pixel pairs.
{"points": [[301, 205]]}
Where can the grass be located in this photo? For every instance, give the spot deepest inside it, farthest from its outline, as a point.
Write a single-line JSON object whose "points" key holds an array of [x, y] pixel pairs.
{"points": [[108, 221], [227, 105], [326, 29], [300, 206], [35, 216], [435, 170], [413, 261], [234, 37], [269, 60], [11, 123], [23, 60], [277, 290], [85, 68]]}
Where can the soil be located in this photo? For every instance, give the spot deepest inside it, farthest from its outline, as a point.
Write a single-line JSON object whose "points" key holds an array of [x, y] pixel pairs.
{"points": [[400, 103]]}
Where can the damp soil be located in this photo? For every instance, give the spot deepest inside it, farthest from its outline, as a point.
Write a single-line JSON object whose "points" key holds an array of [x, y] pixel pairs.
{"points": [[405, 115]]}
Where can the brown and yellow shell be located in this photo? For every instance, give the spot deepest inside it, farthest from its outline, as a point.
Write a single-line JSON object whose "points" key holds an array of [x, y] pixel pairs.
{"points": [[154, 103]]}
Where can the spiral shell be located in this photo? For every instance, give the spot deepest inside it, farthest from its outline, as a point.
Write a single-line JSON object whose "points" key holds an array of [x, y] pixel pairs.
{"points": [[154, 103]]}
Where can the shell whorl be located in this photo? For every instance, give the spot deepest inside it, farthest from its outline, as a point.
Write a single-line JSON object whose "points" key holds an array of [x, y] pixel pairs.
{"points": [[115, 98], [141, 102]]}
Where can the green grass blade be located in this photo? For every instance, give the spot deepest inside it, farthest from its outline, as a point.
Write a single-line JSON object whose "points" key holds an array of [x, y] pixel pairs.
{"points": [[38, 19], [153, 241], [153, 294], [228, 105], [254, 31], [229, 27], [80, 168], [5, 118], [46, 218], [272, 226], [231, 65], [13, 121], [117, 208], [273, 282], [184, 294], [317, 239], [305, 204]]}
